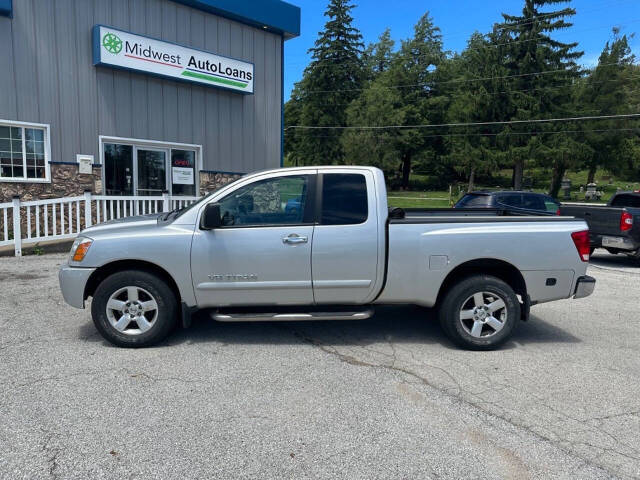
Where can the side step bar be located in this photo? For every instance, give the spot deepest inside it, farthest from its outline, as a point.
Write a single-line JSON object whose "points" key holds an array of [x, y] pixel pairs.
{"points": [[290, 317]]}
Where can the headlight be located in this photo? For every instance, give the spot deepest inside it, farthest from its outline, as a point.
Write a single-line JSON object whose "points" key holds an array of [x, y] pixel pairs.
{"points": [[80, 248]]}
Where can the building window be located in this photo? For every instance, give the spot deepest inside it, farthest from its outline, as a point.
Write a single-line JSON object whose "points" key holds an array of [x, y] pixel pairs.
{"points": [[183, 172], [23, 153], [149, 168]]}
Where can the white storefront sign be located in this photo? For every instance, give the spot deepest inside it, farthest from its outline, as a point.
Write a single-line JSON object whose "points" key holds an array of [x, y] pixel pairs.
{"points": [[120, 49], [182, 176]]}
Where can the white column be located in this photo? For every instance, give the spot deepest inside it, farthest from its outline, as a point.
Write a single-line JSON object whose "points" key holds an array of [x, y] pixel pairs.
{"points": [[17, 231], [166, 202], [87, 209]]}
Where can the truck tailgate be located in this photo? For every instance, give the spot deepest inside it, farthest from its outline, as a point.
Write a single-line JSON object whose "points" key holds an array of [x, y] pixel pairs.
{"points": [[602, 220]]}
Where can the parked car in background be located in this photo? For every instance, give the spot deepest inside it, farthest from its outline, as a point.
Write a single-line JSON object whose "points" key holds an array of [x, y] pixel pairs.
{"points": [[615, 226], [525, 202], [293, 205]]}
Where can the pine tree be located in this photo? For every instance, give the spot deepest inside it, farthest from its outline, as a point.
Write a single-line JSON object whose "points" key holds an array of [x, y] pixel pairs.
{"points": [[378, 56], [331, 81], [406, 94], [608, 90], [543, 71], [473, 151]]}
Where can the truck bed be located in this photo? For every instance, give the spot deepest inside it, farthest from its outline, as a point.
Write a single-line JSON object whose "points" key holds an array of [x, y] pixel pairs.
{"points": [[467, 215]]}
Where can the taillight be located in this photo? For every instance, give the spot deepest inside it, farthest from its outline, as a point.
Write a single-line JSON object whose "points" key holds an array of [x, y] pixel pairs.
{"points": [[626, 221], [558, 212], [581, 241]]}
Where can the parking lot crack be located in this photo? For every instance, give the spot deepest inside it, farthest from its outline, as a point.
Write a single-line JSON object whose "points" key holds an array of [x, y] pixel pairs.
{"points": [[459, 396], [51, 453]]}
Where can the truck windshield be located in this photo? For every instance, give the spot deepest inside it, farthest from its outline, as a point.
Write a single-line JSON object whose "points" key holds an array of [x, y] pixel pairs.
{"points": [[178, 212]]}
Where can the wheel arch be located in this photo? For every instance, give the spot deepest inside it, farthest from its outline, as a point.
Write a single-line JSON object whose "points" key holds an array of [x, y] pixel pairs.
{"points": [[501, 269], [120, 265]]}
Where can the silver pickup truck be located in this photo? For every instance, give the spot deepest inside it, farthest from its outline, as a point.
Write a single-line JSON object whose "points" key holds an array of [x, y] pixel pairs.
{"points": [[321, 243]]}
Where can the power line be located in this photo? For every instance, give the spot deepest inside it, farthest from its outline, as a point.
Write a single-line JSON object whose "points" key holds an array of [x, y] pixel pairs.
{"points": [[558, 87], [535, 133], [462, 80], [542, 15], [513, 42], [468, 124]]}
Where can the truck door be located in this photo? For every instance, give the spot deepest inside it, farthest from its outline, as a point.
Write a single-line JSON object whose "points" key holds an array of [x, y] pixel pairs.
{"points": [[345, 241], [262, 253]]}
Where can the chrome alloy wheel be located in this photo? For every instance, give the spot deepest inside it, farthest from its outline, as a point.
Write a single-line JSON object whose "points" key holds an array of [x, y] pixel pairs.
{"points": [[132, 310], [483, 314]]}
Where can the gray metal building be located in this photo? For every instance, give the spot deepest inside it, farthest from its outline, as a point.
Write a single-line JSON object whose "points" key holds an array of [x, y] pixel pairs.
{"points": [[81, 106]]}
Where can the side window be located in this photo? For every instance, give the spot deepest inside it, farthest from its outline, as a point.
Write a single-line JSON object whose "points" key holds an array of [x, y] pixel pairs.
{"points": [[344, 199], [551, 205], [274, 201], [511, 200], [533, 202]]}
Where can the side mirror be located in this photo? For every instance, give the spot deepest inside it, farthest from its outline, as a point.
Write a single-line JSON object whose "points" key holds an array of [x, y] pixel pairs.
{"points": [[211, 217]]}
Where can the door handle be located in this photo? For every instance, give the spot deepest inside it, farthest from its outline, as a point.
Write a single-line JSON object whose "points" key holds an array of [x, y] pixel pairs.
{"points": [[294, 239]]}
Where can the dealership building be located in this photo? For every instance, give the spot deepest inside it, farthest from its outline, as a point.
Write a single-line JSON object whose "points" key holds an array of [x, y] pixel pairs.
{"points": [[139, 97]]}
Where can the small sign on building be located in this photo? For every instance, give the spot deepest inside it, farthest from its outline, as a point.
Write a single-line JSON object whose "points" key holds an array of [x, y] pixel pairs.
{"points": [[85, 164], [182, 176]]}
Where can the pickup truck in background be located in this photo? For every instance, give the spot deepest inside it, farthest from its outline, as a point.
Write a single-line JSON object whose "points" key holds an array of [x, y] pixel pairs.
{"points": [[615, 226], [248, 252]]}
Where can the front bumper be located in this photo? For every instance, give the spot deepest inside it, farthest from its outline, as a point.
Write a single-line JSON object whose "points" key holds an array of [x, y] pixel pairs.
{"points": [[584, 286], [72, 284]]}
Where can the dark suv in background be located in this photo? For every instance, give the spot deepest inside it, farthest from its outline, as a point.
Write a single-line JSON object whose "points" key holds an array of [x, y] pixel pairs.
{"points": [[525, 202]]}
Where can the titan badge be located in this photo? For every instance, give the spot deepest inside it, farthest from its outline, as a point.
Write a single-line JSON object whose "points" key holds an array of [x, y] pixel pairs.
{"points": [[233, 277]]}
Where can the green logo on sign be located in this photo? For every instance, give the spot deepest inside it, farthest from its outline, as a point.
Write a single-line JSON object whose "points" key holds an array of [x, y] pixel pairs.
{"points": [[112, 43]]}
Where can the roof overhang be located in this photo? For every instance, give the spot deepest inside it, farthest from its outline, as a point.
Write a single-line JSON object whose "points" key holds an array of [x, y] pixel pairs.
{"points": [[270, 15], [6, 8]]}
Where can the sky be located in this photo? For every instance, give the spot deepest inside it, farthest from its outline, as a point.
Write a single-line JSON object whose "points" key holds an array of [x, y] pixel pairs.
{"points": [[458, 19]]}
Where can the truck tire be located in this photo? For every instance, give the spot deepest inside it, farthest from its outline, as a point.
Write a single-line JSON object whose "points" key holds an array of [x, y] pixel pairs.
{"points": [[479, 312], [134, 309]]}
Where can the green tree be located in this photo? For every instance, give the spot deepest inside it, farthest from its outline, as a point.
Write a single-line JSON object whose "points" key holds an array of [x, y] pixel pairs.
{"points": [[609, 90], [405, 95], [378, 56], [543, 71], [480, 93], [330, 82]]}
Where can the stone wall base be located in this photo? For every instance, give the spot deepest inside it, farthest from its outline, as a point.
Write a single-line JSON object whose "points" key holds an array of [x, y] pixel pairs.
{"points": [[210, 181], [65, 182]]}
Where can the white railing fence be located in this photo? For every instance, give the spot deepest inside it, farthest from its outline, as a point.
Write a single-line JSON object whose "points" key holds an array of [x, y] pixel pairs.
{"points": [[25, 223]]}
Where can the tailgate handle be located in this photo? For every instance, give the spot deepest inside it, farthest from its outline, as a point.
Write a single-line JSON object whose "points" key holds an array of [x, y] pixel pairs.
{"points": [[294, 239]]}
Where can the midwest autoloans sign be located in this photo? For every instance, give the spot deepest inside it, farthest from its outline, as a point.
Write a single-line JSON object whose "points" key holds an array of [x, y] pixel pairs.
{"points": [[120, 49]]}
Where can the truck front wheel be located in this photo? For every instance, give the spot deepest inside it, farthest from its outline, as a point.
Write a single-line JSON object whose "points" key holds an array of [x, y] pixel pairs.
{"points": [[134, 308], [479, 312]]}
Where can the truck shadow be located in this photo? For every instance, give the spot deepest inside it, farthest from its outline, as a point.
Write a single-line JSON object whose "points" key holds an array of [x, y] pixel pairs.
{"points": [[601, 258], [397, 324]]}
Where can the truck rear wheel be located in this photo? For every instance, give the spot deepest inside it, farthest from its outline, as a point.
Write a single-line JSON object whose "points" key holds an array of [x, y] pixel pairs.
{"points": [[479, 312], [134, 308]]}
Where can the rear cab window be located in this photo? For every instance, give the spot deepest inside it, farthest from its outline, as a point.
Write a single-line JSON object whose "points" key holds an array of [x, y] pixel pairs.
{"points": [[344, 199], [626, 200]]}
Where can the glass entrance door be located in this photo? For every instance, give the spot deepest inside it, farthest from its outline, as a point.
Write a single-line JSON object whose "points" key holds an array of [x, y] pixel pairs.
{"points": [[151, 172]]}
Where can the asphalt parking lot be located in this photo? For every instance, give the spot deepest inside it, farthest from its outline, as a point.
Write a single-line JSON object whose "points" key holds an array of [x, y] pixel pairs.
{"points": [[385, 398]]}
